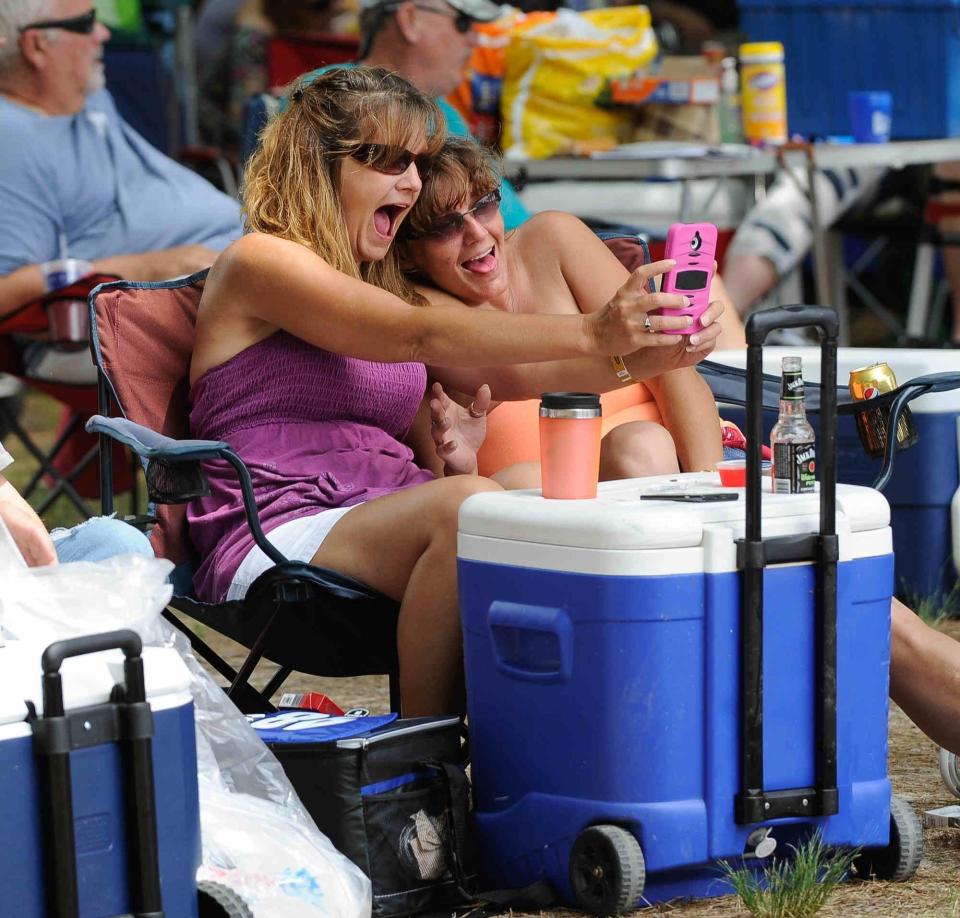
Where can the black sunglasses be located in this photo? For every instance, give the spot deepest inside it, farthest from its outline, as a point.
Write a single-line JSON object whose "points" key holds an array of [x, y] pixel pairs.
{"points": [[462, 22], [448, 226], [390, 160], [82, 24]]}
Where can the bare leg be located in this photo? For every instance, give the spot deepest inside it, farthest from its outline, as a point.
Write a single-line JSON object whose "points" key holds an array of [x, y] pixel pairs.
{"points": [[405, 545], [732, 336], [747, 278], [518, 476], [637, 449], [925, 676]]}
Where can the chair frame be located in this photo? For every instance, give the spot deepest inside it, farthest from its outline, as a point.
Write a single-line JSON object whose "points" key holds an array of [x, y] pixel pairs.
{"points": [[30, 318], [286, 597]]}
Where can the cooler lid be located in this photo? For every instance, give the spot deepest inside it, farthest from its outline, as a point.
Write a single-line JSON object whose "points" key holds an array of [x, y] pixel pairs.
{"points": [[906, 363], [620, 520], [86, 680]]}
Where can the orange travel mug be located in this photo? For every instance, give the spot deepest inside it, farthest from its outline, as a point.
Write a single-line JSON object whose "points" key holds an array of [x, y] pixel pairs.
{"points": [[570, 444]]}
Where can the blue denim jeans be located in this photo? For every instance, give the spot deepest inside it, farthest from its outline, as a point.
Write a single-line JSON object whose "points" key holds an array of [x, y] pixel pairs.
{"points": [[99, 538]]}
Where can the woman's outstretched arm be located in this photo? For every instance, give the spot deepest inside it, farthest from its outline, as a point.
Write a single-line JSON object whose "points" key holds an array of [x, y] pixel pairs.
{"points": [[262, 283]]}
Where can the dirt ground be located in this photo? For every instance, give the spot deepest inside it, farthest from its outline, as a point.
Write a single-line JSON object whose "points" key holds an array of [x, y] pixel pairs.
{"points": [[933, 893]]}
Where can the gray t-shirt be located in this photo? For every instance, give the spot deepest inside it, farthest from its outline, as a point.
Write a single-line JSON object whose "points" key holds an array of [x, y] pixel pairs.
{"points": [[91, 185]]}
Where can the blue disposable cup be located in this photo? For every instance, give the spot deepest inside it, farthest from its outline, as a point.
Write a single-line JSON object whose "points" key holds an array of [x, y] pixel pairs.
{"points": [[870, 116]]}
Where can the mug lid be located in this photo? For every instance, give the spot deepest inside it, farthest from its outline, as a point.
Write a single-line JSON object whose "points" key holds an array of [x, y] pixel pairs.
{"points": [[570, 400]]}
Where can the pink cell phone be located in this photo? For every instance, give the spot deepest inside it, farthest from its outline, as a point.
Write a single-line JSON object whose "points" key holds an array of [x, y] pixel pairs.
{"points": [[694, 247]]}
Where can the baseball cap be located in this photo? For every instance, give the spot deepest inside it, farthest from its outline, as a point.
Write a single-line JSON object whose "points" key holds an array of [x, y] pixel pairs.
{"points": [[481, 10]]}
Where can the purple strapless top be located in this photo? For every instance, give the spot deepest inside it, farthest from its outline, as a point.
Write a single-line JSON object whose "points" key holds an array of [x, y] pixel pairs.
{"points": [[316, 431]]}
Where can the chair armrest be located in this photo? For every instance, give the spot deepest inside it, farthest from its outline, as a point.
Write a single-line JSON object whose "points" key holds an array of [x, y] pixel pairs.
{"points": [[155, 446], [152, 445]]}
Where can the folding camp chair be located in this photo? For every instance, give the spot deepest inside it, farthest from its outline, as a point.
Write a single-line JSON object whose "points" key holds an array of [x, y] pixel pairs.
{"points": [[304, 618], [72, 454]]}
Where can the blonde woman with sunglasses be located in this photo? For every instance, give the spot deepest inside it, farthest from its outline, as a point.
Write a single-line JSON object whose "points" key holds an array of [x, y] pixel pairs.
{"points": [[454, 243], [310, 362]]}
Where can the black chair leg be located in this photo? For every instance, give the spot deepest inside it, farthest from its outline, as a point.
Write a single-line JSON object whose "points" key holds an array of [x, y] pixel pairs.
{"points": [[395, 691], [254, 657], [271, 688], [201, 647], [45, 463]]}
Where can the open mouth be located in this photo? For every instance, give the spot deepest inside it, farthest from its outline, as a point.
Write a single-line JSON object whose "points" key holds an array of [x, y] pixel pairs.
{"points": [[386, 219], [482, 264]]}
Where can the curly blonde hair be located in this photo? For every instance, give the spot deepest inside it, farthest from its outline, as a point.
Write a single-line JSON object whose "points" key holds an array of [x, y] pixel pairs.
{"points": [[291, 186]]}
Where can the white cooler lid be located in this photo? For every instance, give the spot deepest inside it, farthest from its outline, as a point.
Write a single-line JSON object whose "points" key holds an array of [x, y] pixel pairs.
{"points": [[646, 536], [86, 680], [906, 364]]}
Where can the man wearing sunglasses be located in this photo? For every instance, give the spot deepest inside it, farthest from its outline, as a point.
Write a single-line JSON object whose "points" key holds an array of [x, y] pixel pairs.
{"points": [[429, 43], [75, 179]]}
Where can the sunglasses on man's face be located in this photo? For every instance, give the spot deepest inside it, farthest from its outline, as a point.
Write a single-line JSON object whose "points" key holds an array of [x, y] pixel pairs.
{"points": [[390, 160], [449, 226], [82, 24], [462, 22]]}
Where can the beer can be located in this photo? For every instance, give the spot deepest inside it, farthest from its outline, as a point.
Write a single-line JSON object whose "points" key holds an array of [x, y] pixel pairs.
{"points": [[869, 383]]}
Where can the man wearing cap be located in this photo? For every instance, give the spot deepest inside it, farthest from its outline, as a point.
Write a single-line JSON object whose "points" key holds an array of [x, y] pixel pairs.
{"points": [[429, 43], [75, 179]]}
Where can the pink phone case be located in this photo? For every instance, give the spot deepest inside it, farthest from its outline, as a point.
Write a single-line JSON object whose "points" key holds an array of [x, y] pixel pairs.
{"points": [[694, 247]]}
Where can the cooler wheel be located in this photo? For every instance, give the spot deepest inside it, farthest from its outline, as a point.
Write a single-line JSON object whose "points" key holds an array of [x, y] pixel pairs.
{"points": [[950, 772], [607, 871], [219, 901], [898, 860]]}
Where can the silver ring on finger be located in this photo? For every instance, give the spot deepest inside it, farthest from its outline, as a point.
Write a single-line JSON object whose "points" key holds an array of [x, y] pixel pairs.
{"points": [[647, 324], [474, 412]]}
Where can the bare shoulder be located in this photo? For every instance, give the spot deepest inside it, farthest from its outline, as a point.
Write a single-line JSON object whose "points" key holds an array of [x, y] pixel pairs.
{"points": [[253, 251], [554, 225]]}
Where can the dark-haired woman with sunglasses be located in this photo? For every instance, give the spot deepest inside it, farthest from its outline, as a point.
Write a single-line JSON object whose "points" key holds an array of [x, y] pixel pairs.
{"points": [[309, 361], [454, 241]]}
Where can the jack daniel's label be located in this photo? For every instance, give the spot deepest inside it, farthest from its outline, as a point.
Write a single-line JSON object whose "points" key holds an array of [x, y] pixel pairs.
{"points": [[795, 467], [791, 386]]}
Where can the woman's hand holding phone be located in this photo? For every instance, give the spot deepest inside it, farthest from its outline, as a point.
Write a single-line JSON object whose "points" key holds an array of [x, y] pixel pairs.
{"points": [[633, 320], [693, 248]]}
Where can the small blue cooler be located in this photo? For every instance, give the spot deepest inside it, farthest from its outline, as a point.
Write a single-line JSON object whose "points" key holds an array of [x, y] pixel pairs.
{"points": [[99, 776], [601, 642], [924, 491]]}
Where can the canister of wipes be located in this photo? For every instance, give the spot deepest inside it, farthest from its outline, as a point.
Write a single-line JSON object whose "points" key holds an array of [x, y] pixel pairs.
{"points": [[763, 92]]}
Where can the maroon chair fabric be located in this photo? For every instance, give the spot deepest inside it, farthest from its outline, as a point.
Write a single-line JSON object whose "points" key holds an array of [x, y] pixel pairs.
{"points": [[146, 339]]}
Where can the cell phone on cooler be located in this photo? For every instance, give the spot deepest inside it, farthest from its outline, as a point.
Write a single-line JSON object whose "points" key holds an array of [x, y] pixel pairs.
{"points": [[694, 247]]}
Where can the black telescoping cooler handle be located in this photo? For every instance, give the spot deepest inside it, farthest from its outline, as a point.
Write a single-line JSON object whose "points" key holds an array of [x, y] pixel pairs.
{"points": [[53, 742], [759, 325], [753, 803], [51, 661]]}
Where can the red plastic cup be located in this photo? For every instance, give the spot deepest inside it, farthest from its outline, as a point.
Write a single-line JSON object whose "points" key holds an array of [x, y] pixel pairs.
{"points": [[570, 444], [733, 473]]}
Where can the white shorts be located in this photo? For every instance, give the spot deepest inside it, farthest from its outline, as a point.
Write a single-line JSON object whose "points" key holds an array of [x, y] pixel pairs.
{"points": [[297, 540]]}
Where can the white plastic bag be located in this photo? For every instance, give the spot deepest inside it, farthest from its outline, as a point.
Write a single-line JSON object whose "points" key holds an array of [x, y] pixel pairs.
{"points": [[257, 837]]}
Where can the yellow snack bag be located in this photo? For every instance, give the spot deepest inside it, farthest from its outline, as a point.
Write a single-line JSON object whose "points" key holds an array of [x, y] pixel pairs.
{"points": [[556, 70]]}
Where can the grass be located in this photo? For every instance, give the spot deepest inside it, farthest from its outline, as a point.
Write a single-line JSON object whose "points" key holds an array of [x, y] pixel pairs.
{"points": [[796, 886], [937, 607]]}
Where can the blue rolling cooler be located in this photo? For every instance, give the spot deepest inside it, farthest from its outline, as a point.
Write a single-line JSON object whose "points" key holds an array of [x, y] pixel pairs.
{"points": [[99, 814], [653, 687], [924, 488]]}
